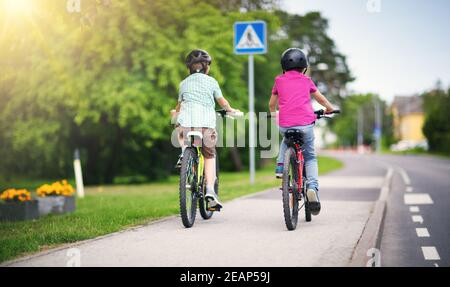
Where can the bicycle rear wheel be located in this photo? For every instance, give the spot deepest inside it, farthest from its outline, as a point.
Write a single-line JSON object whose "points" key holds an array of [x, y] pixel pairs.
{"points": [[204, 212], [188, 186], [290, 190]]}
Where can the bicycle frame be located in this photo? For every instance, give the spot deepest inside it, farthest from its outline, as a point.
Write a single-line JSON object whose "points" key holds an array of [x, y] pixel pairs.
{"points": [[201, 167], [300, 162], [300, 171]]}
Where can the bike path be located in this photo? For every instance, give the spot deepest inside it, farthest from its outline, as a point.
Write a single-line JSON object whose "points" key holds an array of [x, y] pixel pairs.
{"points": [[249, 231]]}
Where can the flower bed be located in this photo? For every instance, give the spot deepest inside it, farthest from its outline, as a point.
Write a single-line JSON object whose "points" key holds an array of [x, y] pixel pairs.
{"points": [[18, 205], [56, 198]]}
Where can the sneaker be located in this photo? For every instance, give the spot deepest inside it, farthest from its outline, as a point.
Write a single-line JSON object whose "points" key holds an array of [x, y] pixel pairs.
{"points": [[180, 160], [213, 200], [314, 201], [279, 171]]}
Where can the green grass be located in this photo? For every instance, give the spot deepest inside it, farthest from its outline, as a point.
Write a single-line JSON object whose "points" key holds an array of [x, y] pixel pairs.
{"points": [[108, 209]]}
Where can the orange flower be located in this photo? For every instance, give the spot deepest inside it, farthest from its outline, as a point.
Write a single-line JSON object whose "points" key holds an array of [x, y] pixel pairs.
{"points": [[57, 188], [12, 194]]}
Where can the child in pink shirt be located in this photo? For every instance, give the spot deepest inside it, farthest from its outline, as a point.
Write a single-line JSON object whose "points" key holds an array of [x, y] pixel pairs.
{"points": [[292, 92]]}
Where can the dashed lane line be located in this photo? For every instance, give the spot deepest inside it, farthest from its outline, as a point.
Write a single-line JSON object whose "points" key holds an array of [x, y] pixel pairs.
{"points": [[430, 253], [417, 199], [422, 232], [414, 209], [417, 219]]}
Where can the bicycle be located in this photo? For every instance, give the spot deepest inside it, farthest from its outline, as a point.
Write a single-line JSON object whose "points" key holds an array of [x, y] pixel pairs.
{"points": [[294, 176], [192, 179]]}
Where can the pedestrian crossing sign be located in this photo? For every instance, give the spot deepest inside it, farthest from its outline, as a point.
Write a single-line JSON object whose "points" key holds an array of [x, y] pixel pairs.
{"points": [[250, 37]]}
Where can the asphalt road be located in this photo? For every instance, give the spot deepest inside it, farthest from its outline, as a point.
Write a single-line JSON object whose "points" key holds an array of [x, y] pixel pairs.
{"points": [[417, 223], [248, 232]]}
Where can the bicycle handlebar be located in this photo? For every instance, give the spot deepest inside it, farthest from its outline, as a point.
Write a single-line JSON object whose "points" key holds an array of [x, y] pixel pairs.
{"points": [[224, 113], [321, 113]]}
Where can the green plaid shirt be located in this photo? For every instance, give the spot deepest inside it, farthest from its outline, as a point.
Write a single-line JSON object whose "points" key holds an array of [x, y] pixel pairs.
{"points": [[197, 95]]}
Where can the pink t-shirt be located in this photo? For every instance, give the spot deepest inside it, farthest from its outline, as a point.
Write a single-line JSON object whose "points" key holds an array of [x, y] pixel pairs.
{"points": [[294, 99]]}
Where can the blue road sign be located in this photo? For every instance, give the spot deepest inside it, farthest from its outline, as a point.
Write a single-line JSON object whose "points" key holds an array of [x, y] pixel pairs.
{"points": [[250, 37]]}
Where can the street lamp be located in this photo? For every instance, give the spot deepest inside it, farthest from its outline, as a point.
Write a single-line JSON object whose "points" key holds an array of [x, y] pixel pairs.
{"points": [[378, 124]]}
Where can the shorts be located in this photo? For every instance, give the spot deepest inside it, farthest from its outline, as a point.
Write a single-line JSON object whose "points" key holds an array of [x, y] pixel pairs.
{"points": [[209, 139]]}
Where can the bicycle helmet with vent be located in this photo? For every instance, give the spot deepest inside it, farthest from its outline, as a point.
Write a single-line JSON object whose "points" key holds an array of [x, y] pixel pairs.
{"points": [[198, 56], [294, 58]]}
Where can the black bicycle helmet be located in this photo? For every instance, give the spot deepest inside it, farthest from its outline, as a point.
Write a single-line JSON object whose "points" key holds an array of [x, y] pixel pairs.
{"points": [[198, 56], [294, 58]]}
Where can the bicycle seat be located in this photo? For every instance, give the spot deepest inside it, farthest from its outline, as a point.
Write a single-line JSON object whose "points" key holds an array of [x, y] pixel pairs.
{"points": [[194, 137], [293, 136], [195, 134]]}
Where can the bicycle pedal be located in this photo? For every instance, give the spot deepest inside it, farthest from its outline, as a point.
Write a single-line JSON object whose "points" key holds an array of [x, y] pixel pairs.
{"points": [[215, 209]]}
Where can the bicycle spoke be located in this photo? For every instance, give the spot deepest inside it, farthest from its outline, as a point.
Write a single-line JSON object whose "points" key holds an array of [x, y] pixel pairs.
{"points": [[290, 196], [188, 204]]}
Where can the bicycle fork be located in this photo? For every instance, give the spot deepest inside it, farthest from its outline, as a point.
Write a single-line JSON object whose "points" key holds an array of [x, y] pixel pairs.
{"points": [[200, 172]]}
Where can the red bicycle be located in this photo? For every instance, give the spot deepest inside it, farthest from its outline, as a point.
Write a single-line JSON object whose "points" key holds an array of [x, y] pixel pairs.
{"points": [[294, 176]]}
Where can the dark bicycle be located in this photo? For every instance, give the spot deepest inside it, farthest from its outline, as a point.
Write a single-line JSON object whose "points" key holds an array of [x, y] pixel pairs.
{"points": [[294, 176]]}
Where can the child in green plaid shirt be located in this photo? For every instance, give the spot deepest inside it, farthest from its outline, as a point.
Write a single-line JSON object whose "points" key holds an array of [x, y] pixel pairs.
{"points": [[196, 111]]}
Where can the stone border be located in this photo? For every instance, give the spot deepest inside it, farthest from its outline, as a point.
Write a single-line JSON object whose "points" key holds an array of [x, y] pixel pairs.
{"points": [[373, 230]]}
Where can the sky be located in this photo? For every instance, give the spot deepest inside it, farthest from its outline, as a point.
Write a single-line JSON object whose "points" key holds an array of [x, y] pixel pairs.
{"points": [[402, 48]]}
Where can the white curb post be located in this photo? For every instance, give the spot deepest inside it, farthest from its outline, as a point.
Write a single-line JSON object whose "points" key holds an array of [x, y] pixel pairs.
{"points": [[78, 174]]}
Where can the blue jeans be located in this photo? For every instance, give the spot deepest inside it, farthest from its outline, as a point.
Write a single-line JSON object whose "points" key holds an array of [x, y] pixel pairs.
{"points": [[309, 153]]}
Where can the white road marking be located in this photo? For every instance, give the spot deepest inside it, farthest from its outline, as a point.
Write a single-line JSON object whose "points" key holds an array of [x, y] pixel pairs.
{"points": [[405, 176], [422, 232], [414, 209], [430, 253], [417, 218], [409, 189], [417, 199], [436, 265]]}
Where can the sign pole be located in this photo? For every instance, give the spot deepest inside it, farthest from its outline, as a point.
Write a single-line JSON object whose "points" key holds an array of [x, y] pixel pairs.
{"points": [[252, 125], [251, 38]]}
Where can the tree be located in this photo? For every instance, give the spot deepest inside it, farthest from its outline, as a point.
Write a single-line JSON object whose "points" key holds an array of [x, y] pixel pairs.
{"points": [[346, 125], [437, 119], [329, 67], [106, 87], [103, 80]]}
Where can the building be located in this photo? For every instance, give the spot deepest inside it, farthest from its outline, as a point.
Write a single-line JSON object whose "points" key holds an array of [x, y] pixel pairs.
{"points": [[408, 119]]}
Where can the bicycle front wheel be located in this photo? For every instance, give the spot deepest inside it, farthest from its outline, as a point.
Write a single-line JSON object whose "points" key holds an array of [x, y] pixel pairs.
{"points": [[290, 190], [188, 186]]}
